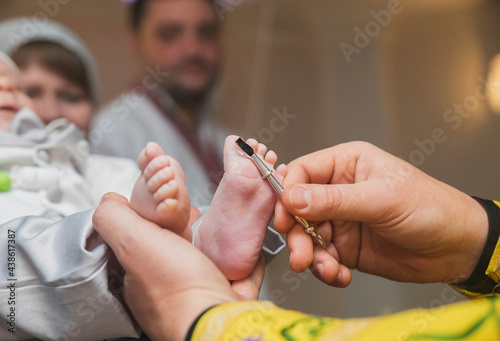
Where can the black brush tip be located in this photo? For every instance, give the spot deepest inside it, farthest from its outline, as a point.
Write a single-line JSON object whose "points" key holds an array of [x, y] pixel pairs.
{"points": [[244, 146]]}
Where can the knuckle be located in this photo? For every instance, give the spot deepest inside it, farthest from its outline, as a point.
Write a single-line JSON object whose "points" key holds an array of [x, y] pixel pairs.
{"points": [[333, 199]]}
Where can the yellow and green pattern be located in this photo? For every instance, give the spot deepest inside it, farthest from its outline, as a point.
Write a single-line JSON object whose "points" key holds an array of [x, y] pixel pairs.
{"points": [[477, 320], [493, 270], [257, 321]]}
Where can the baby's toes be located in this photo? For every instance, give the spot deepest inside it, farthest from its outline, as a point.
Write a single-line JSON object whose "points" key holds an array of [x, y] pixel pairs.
{"points": [[156, 165], [261, 149], [281, 172], [167, 191], [151, 151], [253, 143], [271, 158], [177, 169], [163, 176], [167, 208]]}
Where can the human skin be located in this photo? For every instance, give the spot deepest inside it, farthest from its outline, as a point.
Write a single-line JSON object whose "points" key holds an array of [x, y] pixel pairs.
{"points": [[167, 280], [383, 216], [390, 219], [55, 97], [233, 231], [12, 99], [179, 40]]}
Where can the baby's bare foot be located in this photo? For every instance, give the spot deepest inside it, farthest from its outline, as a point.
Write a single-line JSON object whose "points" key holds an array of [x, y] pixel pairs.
{"points": [[233, 231], [160, 194]]}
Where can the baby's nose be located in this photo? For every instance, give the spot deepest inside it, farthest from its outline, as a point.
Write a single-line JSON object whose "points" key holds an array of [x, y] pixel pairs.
{"points": [[7, 84]]}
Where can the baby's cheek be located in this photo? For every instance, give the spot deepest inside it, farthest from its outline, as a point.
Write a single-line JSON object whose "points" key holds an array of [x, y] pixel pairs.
{"points": [[24, 101], [80, 114]]}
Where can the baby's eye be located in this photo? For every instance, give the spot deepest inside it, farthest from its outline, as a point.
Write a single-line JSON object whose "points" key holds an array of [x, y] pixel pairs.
{"points": [[33, 93], [69, 98]]}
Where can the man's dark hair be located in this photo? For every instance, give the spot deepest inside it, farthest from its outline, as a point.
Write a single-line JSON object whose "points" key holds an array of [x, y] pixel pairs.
{"points": [[136, 12]]}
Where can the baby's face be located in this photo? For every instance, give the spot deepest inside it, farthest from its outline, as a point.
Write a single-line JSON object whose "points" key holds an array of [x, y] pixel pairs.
{"points": [[11, 98], [55, 97]]}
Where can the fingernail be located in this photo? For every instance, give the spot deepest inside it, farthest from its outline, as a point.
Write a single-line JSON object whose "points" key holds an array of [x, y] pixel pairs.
{"points": [[300, 197], [338, 280], [104, 197], [339, 277], [319, 267]]}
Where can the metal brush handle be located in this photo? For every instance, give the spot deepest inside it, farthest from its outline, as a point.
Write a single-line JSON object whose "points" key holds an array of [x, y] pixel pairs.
{"points": [[267, 173]]}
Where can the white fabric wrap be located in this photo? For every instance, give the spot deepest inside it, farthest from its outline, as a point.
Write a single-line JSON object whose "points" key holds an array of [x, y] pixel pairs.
{"points": [[58, 289], [61, 289]]}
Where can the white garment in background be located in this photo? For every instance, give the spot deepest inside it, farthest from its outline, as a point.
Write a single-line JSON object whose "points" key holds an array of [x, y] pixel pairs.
{"points": [[126, 125], [52, 173], [57, 288], [132, 120]]}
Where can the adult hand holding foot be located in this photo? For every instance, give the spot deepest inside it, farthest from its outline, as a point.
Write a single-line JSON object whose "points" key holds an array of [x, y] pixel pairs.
{"points": [[388, 219], [385, 217], [168, 281]]}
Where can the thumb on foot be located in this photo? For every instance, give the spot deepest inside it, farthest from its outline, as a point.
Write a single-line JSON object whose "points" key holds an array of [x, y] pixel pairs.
{"points": [[350, 202]]}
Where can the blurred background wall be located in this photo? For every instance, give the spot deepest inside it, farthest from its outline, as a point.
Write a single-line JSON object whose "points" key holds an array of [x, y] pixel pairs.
{"points": [[408, 76]]}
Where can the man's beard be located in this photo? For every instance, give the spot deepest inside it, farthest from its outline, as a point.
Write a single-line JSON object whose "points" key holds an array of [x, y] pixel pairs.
{"points": [[189, 97], [184, 96]]}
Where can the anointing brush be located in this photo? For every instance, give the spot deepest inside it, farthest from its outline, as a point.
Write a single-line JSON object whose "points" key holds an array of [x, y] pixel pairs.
{"points": [[278, 188]]}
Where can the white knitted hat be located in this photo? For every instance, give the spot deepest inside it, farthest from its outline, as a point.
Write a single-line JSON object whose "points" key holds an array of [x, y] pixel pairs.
{"points": [[20, 31], [11, 65]]}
